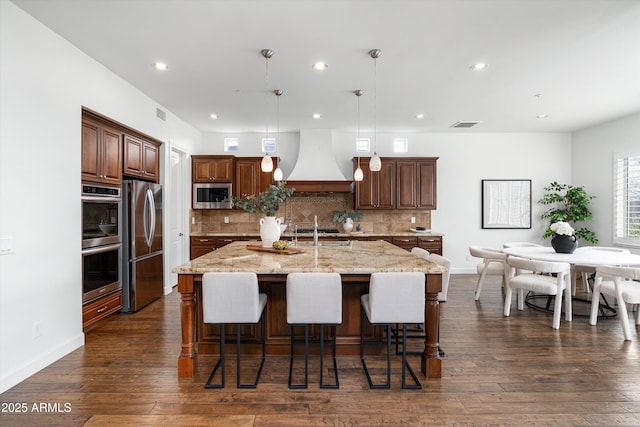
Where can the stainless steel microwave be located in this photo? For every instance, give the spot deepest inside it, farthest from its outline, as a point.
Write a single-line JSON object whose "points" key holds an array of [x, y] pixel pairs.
{"points": [[212, 196]]}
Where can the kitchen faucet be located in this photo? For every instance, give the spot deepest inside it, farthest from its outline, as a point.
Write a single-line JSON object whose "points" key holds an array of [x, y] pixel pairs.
{"points": [[315, 230]]}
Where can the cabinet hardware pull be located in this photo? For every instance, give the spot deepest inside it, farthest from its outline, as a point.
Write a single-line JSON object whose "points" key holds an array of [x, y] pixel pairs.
{"points": [[103, 309], [204, 240]]}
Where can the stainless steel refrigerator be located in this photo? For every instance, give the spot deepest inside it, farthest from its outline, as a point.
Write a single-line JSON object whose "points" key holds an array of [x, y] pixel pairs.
{"points": [[142, 280]]}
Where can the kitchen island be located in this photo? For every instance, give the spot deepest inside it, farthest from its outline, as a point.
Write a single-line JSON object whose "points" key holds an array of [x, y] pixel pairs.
{"points": [[354, 261]]}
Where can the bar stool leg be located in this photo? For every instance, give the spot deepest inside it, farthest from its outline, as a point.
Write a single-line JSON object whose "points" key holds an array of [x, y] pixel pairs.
{"points": [[335, 364], [218, 363], [306, 360], [406, 366]]}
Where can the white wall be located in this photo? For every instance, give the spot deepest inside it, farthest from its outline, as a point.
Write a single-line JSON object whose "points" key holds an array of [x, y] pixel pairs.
{"points": [[44, 83], [592, 159], [464, 160]]}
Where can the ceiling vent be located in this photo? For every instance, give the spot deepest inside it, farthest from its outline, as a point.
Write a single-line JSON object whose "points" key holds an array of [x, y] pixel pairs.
{"points": [[161, 114], [463, 124]]}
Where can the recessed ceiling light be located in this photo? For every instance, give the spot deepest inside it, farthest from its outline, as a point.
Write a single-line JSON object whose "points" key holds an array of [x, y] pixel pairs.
{"points": [[419, 116], [161, 66], [213, 116], [542, 116], [316, 116], [320, 66], [479, 66]]}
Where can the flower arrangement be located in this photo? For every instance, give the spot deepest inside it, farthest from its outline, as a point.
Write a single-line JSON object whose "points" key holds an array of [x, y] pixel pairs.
{"points": [[341, 216], [562, 227], [266, 202]]}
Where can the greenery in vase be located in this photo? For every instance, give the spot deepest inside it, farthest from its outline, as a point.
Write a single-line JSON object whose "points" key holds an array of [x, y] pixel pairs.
{"points": [[341, 216], [266, 202], [570, 204]]}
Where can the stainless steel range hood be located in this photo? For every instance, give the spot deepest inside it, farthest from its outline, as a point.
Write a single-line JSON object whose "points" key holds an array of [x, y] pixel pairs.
{"points": [[316, 169]]}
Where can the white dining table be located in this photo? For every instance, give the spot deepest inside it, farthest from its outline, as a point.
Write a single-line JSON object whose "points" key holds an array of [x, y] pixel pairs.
{"points": [[589, 255]]}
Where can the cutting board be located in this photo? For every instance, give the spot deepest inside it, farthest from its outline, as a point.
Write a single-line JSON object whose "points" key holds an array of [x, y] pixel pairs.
{"points": [[288, 251]]}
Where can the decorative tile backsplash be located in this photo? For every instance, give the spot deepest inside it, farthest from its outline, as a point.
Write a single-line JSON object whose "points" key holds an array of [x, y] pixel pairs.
{"points": [[300, 210]]}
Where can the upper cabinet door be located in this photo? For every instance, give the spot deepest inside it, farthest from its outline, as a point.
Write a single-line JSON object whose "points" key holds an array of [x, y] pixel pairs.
{"points": [[386, 184], [212, 168], [427, 184], [101, 153], [377, 190], [141, 159], [407, 184]]}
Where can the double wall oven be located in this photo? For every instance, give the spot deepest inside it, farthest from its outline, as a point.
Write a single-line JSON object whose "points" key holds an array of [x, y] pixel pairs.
{"points": [[101, 240]]}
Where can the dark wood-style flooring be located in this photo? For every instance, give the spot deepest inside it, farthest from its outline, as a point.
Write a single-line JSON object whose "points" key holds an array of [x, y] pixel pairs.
{"points": [[497, 371]]}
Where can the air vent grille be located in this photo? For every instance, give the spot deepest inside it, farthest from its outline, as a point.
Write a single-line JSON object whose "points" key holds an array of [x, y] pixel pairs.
{"points": [[464, 124], [161, 114]]}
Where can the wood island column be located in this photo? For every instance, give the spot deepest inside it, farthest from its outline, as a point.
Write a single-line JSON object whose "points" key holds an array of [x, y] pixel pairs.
{"points": [[431, 361], [187, 361]]}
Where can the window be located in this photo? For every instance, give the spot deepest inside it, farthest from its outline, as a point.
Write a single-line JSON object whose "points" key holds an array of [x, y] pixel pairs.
{"points": [[626, 204], [400, 145], [231, 144], [268, 145], [362, 145]]}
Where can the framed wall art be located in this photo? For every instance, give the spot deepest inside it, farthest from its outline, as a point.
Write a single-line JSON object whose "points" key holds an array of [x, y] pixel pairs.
{"points": [[506, 203]]}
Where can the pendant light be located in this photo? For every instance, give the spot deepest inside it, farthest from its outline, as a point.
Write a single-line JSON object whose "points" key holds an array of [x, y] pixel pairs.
{"points": [[375, 164], [358, 175], [267, 163], [277, 174]]}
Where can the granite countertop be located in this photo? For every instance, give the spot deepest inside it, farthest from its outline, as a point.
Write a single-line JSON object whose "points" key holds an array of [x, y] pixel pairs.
{"points": [[288, 234], [355, 257]]}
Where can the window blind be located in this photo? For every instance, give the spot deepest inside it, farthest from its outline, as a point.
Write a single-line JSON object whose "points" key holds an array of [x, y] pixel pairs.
{"points": [[626, 182]]}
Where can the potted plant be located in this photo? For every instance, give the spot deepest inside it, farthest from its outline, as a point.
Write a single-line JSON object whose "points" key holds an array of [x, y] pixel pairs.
{"points": [[268, 203], [346, 218], [570, 205]]}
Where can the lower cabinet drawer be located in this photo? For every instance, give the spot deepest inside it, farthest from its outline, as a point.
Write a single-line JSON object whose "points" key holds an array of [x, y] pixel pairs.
{"points": [[407, 242], [101, 308], [431, 243]]}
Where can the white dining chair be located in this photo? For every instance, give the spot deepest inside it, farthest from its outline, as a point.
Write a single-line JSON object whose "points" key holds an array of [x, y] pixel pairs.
{"points": [[523, 274], [624, 285], [493, 263], [586, 270], [520, 245]]}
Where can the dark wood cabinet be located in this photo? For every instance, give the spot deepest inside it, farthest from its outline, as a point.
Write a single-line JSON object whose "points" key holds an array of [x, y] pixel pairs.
{"points": [[431, 243], [249, 176], [212, 168], [141, 158], [205, 244], [101, 153], [416, 183], [101, 308], [378, 189], [402, 183]]}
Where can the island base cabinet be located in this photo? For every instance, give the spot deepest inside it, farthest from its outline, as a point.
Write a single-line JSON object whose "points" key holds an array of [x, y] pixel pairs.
{"points": [[278, 332]]}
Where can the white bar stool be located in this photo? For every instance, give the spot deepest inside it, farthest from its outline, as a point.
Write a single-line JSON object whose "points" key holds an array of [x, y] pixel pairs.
{"points": [[314, 298], [233, 298], [393, 298]]}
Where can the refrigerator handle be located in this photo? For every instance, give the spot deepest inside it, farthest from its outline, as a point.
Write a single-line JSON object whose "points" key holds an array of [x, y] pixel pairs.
{"points": [[151, 205]]}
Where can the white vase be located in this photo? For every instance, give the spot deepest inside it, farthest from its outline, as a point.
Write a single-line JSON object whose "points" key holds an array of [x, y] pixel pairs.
{"points": [[269, 230], [347, 225]]}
